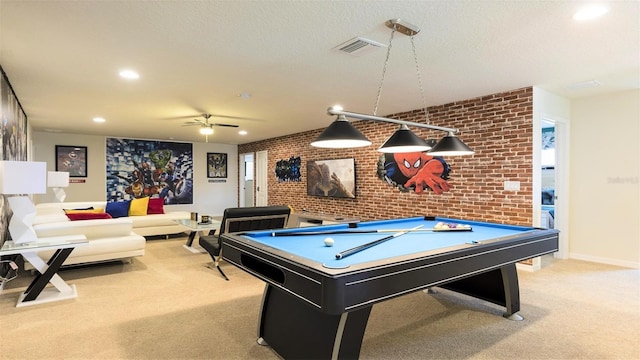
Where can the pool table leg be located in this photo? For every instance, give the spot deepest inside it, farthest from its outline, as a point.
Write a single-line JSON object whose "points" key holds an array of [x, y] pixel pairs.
{"points": [[296, 330], [511, 292], [499, 286]]}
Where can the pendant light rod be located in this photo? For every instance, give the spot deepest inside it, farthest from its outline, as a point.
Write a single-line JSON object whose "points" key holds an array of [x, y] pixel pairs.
{"points": [[334, 111]]}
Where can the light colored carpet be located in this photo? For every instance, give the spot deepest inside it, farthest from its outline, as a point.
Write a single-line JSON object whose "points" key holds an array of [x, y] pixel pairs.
{"points": [[169, 305]]}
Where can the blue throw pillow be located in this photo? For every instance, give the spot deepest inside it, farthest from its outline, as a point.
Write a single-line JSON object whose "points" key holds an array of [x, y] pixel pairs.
{"points": [[118, 209]]}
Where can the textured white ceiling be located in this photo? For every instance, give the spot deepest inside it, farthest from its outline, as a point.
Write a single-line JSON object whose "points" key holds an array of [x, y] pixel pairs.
{"points": [[62, 58]]}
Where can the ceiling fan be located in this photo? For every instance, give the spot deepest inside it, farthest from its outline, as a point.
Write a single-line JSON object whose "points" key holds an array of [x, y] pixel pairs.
{"points": [[206, 127]]}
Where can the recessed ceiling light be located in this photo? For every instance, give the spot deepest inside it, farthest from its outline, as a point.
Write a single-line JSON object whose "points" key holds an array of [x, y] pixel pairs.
{"points": [[129, 74], [242, 132], [590, 12], [99, 119]]}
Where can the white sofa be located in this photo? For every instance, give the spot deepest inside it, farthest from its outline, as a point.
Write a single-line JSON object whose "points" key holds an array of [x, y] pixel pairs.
{"points": [[109, 239], [146, 225]]}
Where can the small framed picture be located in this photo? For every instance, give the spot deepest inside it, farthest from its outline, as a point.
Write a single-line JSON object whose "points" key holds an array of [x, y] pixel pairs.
{"points": [[216, 165], [72, 159]]}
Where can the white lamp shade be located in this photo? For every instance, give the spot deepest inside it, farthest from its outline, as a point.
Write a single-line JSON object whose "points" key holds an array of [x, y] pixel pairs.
{"points": [[23, 214], [23, 177], [57, 179]]}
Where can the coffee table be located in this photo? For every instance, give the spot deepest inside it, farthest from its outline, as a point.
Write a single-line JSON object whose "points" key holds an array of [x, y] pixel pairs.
{"points": [[36, 292], [196, 228]]}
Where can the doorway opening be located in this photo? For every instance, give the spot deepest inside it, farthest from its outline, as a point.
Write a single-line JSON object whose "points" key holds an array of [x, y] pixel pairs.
{"points": [[247, 180]]}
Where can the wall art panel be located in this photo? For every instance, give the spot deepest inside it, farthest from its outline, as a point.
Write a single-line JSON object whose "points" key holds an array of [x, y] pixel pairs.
{"points": [[139, 168]]}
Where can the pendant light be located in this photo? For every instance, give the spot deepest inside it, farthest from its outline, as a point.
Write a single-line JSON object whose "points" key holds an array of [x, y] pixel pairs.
{"points": [[341, 134]]}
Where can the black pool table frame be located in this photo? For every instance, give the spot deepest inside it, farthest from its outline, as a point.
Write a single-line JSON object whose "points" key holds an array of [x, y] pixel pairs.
{"points": [[309, 311]]}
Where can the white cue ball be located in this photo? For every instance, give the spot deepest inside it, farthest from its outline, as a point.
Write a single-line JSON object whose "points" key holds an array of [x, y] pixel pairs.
{"points": [[328, 241]]}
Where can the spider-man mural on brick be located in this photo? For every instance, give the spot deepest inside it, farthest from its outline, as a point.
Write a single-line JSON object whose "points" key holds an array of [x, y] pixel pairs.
{"points": [[415, 171]]}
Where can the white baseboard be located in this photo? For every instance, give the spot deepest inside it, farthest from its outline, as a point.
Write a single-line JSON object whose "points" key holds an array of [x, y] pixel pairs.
{"points": [[608, 261], [534, 265]]}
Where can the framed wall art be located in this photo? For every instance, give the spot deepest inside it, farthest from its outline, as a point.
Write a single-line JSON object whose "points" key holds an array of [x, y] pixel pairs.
{"points": [[72, 159], [149, 168], [216, 165], [332, 178]]}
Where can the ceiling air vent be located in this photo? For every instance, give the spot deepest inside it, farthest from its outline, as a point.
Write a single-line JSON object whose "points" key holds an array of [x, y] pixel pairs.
{"points": [[358, 46]]}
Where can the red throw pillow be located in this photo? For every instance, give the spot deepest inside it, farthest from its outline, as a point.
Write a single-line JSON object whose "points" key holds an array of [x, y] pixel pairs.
{"points": [[156, 206], [88, 216]]}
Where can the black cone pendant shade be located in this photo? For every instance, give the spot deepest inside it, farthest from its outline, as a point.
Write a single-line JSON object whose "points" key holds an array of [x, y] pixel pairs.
{"points": [[403, 141], [341, 134], [450, 145]]}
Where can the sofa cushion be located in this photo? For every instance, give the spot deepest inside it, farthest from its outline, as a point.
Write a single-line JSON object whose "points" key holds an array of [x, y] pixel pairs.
{"points": [[79, 209], [158, 219], [88, 216], [156, 206], [70, 205], [92, 229], [138, 207], [104, 249], [49, 218], [118, 208]]}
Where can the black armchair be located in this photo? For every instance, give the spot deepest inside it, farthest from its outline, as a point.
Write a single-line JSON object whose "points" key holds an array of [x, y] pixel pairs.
{"points": [[244, 219]]}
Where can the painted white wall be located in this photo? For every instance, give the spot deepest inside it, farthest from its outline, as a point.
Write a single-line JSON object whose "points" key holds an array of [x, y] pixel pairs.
{"points": [[210, 198], [604, 180]]}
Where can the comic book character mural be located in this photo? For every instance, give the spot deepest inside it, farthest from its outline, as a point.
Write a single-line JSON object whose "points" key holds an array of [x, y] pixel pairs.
{"points": [[415, 171], [72, 159], [139, 168], [13, 141], [216, 165], [331, 178], [288, 170]]}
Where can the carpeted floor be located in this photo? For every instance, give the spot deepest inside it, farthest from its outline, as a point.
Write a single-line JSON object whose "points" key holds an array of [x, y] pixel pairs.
{"points": [[169, 305]]}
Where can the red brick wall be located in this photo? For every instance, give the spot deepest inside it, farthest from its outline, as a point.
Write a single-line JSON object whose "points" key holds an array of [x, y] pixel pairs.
{"points": [[498, 127]]}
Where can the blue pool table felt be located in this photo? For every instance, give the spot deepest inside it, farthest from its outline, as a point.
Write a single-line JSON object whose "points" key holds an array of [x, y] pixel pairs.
{"points": [[312, 247]]}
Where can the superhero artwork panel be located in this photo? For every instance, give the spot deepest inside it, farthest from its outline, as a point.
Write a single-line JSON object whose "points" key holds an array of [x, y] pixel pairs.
{"points": [[13, 140], [415, 172], [72, 159], [288, 170], [332, 178], [158, 169], [216, 165]]}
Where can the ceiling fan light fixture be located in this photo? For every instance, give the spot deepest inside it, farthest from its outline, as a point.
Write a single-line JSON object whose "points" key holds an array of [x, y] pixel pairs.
{"points": [[206, 130]]}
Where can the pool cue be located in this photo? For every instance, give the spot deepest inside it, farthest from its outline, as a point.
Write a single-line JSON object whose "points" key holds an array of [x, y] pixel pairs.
{"points": [[337, 232], [344, 254]]}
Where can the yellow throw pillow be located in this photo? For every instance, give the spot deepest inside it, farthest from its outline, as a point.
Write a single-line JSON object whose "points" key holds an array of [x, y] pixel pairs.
{"points": [[139, 206], [84, 211]]}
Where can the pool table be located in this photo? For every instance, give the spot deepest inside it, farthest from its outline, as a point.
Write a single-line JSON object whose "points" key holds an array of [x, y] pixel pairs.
{"points": [[317, 306]]}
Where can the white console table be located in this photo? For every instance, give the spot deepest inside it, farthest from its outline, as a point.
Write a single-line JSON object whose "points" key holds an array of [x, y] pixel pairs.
{"points": [[306, 218], [36, 292]]}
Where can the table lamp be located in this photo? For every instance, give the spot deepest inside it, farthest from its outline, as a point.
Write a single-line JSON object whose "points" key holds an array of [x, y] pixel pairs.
{"points": [[57, 180], [19, 178]]}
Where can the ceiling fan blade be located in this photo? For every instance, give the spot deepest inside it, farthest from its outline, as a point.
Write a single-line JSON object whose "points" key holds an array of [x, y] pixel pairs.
{"points": [[227, 125], [236, 117], [193, 124]]}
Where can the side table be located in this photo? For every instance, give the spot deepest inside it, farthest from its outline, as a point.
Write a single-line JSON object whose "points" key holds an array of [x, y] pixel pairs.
{"points": [[307, 218], [195, 227], [36, 292]]}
